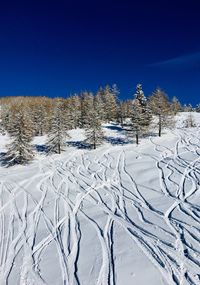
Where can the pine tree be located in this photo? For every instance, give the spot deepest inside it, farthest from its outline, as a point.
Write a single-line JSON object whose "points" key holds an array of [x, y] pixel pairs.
{"points": [[160, 107], [39, 116], [126, 109], [58, 129], [100, 104], [190, 108], [120, 113], [20, 130], [73, 110], [93, 130], [190, 122], [175, 105], [187, 108], [87, 101], [139, 95], [110, 102], [141, 98], [5, 117], [197, 109], [140, 116]]}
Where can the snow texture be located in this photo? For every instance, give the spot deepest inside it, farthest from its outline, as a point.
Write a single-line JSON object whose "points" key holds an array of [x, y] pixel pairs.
{"points": [[120, 214]]}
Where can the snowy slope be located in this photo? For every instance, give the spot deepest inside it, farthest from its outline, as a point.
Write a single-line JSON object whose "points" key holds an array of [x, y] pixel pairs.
{"points": [[118, 215]]}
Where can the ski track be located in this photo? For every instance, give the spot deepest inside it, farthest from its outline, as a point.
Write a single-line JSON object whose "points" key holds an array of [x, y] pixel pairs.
{"points": [[169, 238]]}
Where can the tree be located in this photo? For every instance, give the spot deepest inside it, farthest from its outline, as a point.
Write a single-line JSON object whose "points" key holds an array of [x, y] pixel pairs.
{"points": [[58, 128], [5, 117], [175, 105], [20, 130], [100, 104], [120, 113], [197, 109], [188, 108], [93, 130], [126, 110], [73, 109], [39, 115], [141, 116], [87, 101], [190, 122], [109, 97], [160, 107], [139, 95]]}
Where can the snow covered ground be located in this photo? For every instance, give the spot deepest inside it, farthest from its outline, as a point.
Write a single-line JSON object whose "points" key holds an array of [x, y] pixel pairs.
{"points": [[117, 215]]}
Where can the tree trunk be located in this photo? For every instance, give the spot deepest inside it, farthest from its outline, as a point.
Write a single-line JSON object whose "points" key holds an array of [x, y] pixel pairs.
{"points": [[159, 126], [59, 148], [137, 138], [94, 140]]}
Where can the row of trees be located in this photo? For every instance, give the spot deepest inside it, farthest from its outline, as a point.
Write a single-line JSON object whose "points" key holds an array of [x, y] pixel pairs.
{"points": [[26, 117]]}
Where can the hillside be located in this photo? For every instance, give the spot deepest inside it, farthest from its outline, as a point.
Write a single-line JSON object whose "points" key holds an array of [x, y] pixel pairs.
{"points": [[120, 214]]}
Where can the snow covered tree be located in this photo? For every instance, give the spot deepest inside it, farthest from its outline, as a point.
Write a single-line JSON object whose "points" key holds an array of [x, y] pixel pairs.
{"points": [[188, 108], [110, 99], [141, 115], [69, 113], [86, 105], [175, 105], [197, 109], [139, 94], [20, 130], [39, 108], [136, 118], [5, 117], [58, 128], [73, 109], [93, 129], [120, 113], [190, 122], [160, 107], [99, 104], [126, 109], [106, 103]]}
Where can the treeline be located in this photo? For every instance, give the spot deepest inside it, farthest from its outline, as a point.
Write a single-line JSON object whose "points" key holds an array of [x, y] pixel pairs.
{"points": [[23, 118]]}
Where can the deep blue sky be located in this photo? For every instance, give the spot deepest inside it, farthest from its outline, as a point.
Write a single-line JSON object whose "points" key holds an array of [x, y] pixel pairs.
{"points": [[59, 47]]}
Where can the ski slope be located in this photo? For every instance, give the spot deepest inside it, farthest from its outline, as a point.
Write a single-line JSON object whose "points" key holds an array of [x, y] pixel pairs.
{"points": [[117, 215]]}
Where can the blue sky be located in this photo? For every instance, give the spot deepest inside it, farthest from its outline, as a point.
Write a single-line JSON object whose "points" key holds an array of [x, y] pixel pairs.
{"points": [[55, 48]]}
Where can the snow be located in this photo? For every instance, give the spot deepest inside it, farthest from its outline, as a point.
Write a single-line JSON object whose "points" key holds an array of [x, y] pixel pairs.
{"points": [[181, 117], [120, 214]]}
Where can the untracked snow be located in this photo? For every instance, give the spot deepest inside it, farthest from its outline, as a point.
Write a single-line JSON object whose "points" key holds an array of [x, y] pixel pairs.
{"points": [[118, 215]]}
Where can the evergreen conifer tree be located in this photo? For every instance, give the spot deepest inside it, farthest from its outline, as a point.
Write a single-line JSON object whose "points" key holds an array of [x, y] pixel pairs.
{"points": [[160, 107], [20, 130], [86, 105], [100, 104], [110, 102], [39, 117], [74, 111], [175, 105], [58, 129], [190, 121], [140, 115], [93, 130], [197, 109]]}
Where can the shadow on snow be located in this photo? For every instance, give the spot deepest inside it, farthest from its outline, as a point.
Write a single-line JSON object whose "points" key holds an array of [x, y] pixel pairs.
{"points": [[79, 144], [41, 148], [114, 128], [117, 140]]}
